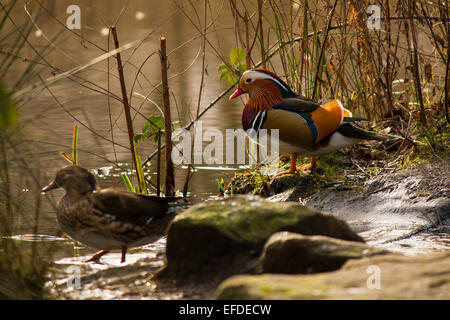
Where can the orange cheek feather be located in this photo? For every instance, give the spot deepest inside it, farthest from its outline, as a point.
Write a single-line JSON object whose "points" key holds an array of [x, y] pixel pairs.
{"points": [[328, 118]]}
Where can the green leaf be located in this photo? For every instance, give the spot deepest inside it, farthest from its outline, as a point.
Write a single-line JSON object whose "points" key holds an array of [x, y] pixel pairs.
{"points": [[230, 81], [224, 74], [140, 171], [237, 56], [242, 68], [127, 182], [222, 67], [154, 125]]}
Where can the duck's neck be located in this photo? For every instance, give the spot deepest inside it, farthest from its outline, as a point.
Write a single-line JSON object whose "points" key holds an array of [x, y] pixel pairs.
{"points": [[262, 98]]}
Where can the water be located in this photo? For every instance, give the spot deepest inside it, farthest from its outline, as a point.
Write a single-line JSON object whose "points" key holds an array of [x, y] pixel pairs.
{"points": [[47, 124]]}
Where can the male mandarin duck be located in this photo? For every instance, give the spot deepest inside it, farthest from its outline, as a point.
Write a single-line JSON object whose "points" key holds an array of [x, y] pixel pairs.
{"points": [[107, 219], [305, 127]]}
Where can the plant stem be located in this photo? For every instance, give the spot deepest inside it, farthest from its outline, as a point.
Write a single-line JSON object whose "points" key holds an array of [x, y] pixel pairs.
{"points": [[261, 35], [126, 106], [170, 179], [158, 166], [416, 64], [189, 168], [319, 61]]}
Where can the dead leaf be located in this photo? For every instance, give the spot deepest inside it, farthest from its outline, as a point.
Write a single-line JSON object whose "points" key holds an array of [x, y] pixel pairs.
{"points": [[428, 72]]}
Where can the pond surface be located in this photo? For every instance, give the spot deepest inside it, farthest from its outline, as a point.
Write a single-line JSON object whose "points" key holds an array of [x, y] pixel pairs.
{"points": [[48, 119]]}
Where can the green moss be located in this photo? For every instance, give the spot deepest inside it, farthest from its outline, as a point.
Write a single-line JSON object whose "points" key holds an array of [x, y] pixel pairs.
{"points": [[432, 143], [249, 222], [250, 182], [330, 170], [272, 286]]}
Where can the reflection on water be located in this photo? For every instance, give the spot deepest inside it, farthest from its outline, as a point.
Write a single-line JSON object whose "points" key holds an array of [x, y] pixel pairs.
{"points": [[48, 124]]}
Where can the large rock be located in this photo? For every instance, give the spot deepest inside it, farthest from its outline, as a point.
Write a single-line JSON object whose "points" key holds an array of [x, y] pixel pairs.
{"points": [[287, 252], [218, 231], [400, 277]]}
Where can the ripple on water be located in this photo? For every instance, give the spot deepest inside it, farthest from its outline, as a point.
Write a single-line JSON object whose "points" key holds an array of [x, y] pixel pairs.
{"points": [[36, 237]]}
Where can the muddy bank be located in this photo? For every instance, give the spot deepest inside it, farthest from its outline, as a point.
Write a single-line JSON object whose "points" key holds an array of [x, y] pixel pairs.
{"points": [[402, 210]]}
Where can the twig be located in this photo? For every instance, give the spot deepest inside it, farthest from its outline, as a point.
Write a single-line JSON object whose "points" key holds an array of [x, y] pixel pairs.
{"points": [[188, 170], [261, 34], [319, 61], [447, 74], [170, 179], [126, 106], [416, 64], [158, 166]]}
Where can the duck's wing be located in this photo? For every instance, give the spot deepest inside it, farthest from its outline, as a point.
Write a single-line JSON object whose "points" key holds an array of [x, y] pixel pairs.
{"points": [[83, 219], [158, 198], [300, 105], [293, 128], [129, 206], [322, 120]]}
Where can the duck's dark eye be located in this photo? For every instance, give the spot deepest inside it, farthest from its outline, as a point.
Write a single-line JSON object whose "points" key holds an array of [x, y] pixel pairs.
{"points": [[248, 80]]}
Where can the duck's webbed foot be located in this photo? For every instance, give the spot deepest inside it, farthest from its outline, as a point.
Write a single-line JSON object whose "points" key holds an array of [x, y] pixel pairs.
{"points": [[96, 257], [293, 169]]}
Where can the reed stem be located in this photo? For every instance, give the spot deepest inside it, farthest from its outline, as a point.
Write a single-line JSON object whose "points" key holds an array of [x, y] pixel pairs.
{"points": [[170, 178], [126, 107]]}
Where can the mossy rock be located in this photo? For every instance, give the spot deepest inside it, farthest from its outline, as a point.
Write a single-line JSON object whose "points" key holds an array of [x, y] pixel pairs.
{"points": [[399, 277], [249, 183], [223, 229], [287, 252]]}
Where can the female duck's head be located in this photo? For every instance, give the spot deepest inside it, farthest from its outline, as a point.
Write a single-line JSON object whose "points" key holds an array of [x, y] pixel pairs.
{"points": [[74, 180]]}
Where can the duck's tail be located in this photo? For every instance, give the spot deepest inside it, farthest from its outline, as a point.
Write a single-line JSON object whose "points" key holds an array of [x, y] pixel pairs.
{"points": [[347, 130]]}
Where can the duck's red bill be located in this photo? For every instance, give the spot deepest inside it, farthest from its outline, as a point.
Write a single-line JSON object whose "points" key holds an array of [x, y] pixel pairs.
{"points": [[237, 93]]}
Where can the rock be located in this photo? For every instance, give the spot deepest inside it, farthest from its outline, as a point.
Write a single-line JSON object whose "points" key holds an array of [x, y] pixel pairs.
{"points": [[443, 213], [293, 194], [249, 183], [400, 277], [305, 185], [219, 231], [287, 252]]}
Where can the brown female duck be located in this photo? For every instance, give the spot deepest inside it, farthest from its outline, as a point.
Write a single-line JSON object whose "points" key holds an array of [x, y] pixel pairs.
{"points": [[107, 219]]}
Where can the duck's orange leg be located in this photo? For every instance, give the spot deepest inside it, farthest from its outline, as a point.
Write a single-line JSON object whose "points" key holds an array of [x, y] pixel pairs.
{"points": [[313, 164], [293, 167], [96, 257]]}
